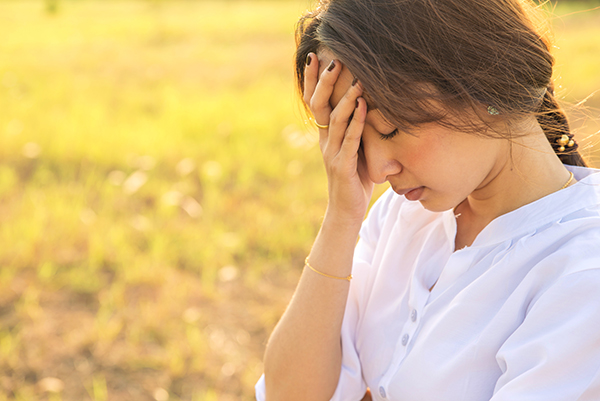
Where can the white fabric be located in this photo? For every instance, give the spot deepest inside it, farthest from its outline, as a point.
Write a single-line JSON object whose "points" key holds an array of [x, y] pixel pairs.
{"points": [[514, 317]]}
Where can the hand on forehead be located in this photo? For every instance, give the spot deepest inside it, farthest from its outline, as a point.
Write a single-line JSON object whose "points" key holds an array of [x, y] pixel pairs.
{"points": [[341, 86], [344, 81]]}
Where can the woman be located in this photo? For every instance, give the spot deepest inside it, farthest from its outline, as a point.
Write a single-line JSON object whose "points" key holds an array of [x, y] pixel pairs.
{"points": [[477, 275]]}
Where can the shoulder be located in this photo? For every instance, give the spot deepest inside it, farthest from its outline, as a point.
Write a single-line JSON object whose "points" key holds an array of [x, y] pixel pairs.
{"points": [[564, 257], [574, 240], [565, 227]]}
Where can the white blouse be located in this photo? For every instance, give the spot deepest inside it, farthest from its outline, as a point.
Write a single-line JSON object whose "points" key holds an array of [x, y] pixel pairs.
{"points": [[514, 317]]}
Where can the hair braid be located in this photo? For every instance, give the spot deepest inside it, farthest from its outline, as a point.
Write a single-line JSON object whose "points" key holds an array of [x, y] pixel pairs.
{"points": [[553, 121]]}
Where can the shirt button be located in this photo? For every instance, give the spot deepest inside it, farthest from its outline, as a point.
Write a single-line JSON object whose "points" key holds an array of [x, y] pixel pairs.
{"points": [[405, 339], [413, 315], [382, 392]]}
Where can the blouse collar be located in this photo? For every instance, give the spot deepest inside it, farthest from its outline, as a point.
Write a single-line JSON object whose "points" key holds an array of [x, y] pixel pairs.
{"points": [[551, 208]]}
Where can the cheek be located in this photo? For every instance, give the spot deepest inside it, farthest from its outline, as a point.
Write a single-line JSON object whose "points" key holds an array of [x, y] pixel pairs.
{"points": [[422, 155], [438, 164]]}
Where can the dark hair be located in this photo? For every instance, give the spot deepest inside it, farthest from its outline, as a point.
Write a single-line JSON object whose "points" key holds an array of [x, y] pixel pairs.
{"points": [[459, 53]]}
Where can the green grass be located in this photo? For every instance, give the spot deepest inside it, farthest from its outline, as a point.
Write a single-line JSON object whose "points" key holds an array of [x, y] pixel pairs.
{"points": [[159, 191], [576, 28]]}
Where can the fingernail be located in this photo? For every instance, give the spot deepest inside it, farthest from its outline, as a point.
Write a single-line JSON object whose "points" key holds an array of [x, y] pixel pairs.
{"points": [[308, 60], [355, 81], [331, 66]]}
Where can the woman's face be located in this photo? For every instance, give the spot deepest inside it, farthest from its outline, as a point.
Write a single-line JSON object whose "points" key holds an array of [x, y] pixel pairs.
{"points": [[435, 165]]}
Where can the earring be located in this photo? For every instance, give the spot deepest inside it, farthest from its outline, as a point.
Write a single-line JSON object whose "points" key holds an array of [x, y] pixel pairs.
{"points": [[493, 111]]}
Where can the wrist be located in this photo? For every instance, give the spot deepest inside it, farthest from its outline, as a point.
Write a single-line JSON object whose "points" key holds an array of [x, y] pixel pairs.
{"points": [[342, 221], [345, 211]]}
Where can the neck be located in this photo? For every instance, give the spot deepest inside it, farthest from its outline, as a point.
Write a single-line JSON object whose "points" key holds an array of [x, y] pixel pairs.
{"points": [[529, 171]]}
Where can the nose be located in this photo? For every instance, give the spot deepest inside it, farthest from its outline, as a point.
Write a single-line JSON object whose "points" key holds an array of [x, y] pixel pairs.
{"points": [[380, 161]]}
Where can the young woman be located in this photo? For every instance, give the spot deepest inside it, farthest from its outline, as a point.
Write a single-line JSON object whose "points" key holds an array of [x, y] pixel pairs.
{"points": [[477, 275]]}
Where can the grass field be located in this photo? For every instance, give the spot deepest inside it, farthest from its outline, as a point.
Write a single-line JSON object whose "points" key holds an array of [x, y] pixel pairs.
{"points": [[159, 191]]}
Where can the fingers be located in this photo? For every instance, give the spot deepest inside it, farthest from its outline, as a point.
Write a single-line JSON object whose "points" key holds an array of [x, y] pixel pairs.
{"points": [[351, 141], [325, 85], [340, 116], [318, 90], [344, 125], [311, 76], [362, 170]]}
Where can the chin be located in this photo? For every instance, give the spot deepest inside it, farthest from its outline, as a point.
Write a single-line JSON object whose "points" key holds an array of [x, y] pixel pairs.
{"points": [[436, 207]]}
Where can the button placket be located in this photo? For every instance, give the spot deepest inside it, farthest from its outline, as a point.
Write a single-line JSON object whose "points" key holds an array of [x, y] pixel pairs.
{"points": [[419, 295], [405, 339]]}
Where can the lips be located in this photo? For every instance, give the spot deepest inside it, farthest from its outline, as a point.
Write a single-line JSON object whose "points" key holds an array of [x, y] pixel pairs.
{"points": [[412, 194]]}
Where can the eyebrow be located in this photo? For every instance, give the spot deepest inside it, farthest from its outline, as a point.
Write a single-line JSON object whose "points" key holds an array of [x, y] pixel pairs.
{"points": [[385, 120], [381, 125]]}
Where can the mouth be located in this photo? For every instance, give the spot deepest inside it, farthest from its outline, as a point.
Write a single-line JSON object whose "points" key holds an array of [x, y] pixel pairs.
{"points": [[412, 194]]}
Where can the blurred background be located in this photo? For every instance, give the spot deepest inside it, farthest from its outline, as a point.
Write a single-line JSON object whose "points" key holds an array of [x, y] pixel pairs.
{"points": [[159, 190]]}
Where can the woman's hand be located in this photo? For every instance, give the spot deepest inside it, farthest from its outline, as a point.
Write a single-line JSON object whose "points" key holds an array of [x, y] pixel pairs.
{"points": [[303, 358], [350, 188]]}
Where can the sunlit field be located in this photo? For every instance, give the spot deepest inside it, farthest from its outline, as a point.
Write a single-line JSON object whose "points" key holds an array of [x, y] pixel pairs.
{"points": [[159, 190]]}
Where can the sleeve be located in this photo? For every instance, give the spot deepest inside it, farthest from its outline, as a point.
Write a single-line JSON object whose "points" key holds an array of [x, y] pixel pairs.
{"points": [[555, 354], [351, 385]]}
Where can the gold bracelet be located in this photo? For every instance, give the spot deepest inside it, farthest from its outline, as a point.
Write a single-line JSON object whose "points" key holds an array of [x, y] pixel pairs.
{"points": [[326, 275]]}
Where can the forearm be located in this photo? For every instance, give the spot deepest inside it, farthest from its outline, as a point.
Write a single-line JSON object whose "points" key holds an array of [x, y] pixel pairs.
{"points": [[303, 356]]}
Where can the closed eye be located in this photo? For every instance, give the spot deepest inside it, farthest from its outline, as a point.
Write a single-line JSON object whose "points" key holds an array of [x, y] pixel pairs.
{"points": [[392, 134]]}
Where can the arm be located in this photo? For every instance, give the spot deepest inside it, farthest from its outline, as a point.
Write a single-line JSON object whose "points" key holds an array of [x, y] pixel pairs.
{"points": [[303, 357]]}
